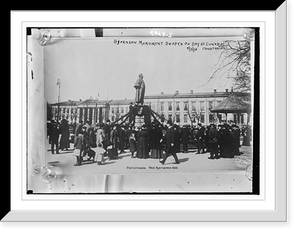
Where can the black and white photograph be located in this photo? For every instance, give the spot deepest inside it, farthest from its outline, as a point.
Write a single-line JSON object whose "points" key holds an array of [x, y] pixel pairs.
{"points": [[143, 110], [151, 116]]}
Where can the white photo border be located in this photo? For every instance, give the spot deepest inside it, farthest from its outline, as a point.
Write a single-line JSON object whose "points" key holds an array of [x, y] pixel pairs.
{"points": [[181, 203]]}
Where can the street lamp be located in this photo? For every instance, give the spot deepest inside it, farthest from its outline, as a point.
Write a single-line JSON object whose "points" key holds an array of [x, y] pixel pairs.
{"points": [[97, 115], [174, 111], [107, 109], [58, 99]]}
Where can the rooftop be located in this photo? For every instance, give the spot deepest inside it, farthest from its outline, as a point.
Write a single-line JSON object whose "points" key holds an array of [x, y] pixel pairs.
{"points": [[195, 95], [157, 96]]}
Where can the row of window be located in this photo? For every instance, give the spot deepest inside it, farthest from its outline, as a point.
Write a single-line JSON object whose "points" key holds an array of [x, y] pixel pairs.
{"points": [[161, 108], [186, 118], [176, 105], [119, 110], [191, 118]]}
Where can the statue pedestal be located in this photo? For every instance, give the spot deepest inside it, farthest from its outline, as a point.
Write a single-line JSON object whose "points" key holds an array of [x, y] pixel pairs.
{"points": [[142, 115], [138, 115], [139, 121]]}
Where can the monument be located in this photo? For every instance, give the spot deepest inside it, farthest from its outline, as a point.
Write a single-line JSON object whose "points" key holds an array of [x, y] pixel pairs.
{"points": [[138, 112], [140, 90]]}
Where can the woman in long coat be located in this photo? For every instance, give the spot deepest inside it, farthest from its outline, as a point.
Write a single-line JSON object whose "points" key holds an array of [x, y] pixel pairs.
{"points": [[65, 135], [112, 149], [156, 136], [142, 144]]}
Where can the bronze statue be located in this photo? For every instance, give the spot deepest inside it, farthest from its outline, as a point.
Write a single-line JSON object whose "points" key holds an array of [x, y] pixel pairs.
{"points": [[140, 90]]}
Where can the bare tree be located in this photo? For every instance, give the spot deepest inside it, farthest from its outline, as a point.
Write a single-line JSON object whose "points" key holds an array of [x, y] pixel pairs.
{"points": [[198, 114], [189, 114], [236, 57]]}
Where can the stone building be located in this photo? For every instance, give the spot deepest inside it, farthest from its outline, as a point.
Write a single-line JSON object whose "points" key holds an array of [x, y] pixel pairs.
{"points": [[182, 108]]}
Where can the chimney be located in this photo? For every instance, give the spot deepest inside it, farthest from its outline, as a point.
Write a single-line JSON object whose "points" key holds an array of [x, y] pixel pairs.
{"points": [[176, 92], [226, 90], [162, 93], [215, 90], [231, 89], [192, 91]]}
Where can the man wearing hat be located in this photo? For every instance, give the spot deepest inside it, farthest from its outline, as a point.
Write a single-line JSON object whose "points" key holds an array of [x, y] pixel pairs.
{"points": [[84, 140], [236, 146], [200, 139], [170, 149], [213, 136], [107, 130], [54, 132], [185, 133]]}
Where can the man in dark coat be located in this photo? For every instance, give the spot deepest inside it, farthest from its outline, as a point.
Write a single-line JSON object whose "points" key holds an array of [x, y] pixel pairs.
{"points": [[185, 133], [213, 136], [176, 138], [78, 129], [225, 142], [107, 131], [85, 140], [231, 141], [54, 135], [237, 133], [207, 146], [122, 139], [200, 139], [169, 138]]}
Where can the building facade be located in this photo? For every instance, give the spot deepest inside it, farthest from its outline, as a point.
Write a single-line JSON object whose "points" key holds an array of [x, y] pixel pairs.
{"points": [[193, 108], [181, 108]]}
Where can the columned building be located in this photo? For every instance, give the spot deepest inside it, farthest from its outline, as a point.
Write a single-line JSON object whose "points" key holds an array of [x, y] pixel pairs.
{"points": [[181, 108], [193, 108], [89, 110]]}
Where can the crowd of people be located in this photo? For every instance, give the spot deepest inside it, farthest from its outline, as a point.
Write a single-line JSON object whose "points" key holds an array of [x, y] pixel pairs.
{"points": [[59, 135], [156, 140]]}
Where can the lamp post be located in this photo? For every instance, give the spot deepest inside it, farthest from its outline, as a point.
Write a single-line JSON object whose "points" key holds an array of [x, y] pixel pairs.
{"points": [[58, 99], [107, 107], [174, 111]]}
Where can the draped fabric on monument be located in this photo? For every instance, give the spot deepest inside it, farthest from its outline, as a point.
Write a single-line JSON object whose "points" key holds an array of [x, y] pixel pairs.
{"points": [[140, 111]]}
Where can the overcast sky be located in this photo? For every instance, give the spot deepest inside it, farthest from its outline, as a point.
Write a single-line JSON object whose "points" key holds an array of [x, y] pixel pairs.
{"points": [[109, 67]]}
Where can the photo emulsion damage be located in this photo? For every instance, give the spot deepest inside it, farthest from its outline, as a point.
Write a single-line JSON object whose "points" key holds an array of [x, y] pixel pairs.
{"points": [[143, 110]]}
